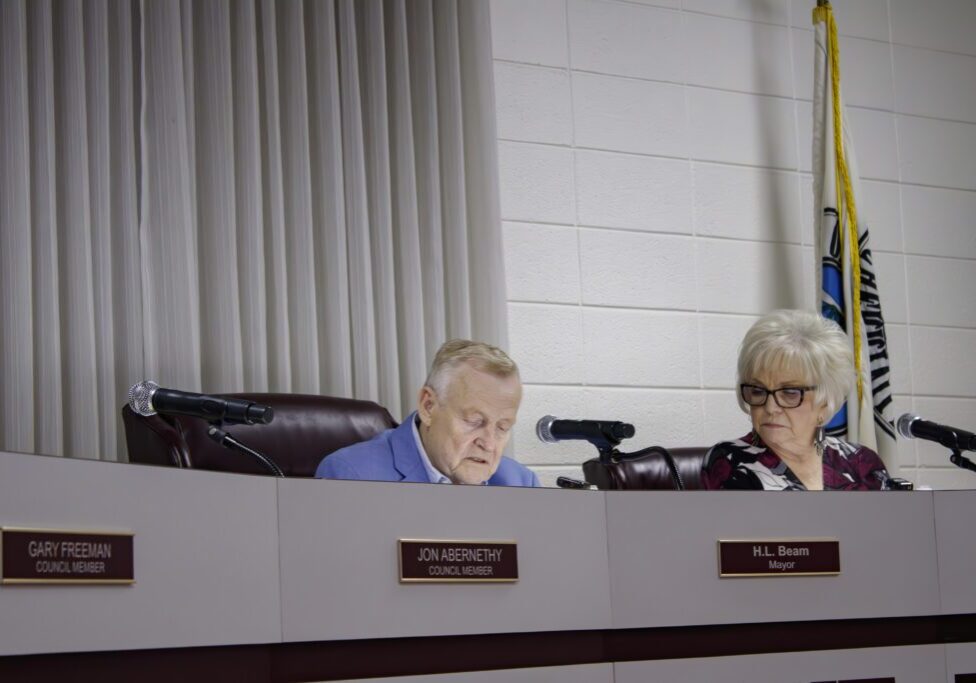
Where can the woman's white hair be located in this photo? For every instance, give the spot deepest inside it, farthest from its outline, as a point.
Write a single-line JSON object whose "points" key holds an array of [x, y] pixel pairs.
{"points": [[456, 352], [801, 342]]}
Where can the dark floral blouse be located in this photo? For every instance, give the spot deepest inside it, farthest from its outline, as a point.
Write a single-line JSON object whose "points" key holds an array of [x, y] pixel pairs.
{"points": [[748, 464]]}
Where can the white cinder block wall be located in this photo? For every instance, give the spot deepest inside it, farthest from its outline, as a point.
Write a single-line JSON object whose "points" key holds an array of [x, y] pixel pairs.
{"points": [[657, 196]]}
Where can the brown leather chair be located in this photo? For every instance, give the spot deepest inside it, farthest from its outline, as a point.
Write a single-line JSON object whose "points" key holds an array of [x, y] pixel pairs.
{"points": [[649, 471], [304, 430]]}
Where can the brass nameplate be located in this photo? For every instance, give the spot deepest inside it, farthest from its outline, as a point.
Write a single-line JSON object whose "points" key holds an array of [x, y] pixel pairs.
{"points": [[423, 561], [779, 557], [60, 556]]}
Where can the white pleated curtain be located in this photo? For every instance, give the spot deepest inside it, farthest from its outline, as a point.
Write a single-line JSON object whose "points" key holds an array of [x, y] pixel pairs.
{"points": [[235, 195]]}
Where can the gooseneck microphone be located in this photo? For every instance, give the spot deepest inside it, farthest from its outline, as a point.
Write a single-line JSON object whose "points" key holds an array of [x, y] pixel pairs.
{"points": [[600, 433], [913, 427], [148, 398]]}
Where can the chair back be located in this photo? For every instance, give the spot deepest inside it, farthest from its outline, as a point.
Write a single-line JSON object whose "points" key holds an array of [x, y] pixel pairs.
{"points": [[648, 472], [305, 429]]}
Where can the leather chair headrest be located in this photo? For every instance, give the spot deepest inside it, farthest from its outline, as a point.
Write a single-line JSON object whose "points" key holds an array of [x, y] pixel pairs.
{"points": [[305, 429], [648, 472]]}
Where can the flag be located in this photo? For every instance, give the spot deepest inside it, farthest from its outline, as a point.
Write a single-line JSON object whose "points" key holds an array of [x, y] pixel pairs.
{"points": [[846, 284]]}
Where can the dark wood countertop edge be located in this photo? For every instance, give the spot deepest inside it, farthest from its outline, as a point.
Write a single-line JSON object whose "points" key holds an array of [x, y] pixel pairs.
{"points": [[341, 659]]}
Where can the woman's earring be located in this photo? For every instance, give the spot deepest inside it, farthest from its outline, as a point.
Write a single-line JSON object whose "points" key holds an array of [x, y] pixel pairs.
{"points": [[819, 438]]}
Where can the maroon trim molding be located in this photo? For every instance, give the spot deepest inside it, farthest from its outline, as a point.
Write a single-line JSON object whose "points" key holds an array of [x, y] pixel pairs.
{"points": [[332, 660]]}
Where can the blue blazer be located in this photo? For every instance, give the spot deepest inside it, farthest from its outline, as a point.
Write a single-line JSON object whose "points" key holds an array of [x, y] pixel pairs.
{"points": [[393, 456]]}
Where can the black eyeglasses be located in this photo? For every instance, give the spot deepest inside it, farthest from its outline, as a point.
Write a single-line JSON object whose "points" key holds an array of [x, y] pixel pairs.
{"points": [[785, 397]]}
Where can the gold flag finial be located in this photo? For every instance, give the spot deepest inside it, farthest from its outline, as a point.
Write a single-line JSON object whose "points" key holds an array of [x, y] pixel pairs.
{"points": [[820, 11]]}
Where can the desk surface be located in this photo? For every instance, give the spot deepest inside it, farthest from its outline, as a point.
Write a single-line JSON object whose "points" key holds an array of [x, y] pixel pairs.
{"points": [[305, 570]]}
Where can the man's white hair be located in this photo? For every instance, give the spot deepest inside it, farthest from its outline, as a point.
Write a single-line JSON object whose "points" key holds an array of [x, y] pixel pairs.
{"points": [[457, 352], [801, 342]]}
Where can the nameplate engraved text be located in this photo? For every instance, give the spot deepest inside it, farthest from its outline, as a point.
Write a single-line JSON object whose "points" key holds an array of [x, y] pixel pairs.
{"points": [[423, 561], [779, 557], [52, 556]]}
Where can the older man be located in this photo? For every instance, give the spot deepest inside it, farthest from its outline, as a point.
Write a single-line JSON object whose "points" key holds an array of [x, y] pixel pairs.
{"points": [[465, 414]]}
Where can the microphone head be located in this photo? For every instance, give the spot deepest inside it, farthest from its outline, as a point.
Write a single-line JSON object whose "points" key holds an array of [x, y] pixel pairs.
{"points": [[140, 397], [259, 414], [543, 429], [622, 430], [904, 425]]}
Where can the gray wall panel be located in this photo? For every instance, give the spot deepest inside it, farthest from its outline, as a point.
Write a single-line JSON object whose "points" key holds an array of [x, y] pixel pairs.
{"points": [[586, 673], [960, 660], [205, 551], [915, 664], [664, 567], [955, 530], [339, 563]]}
